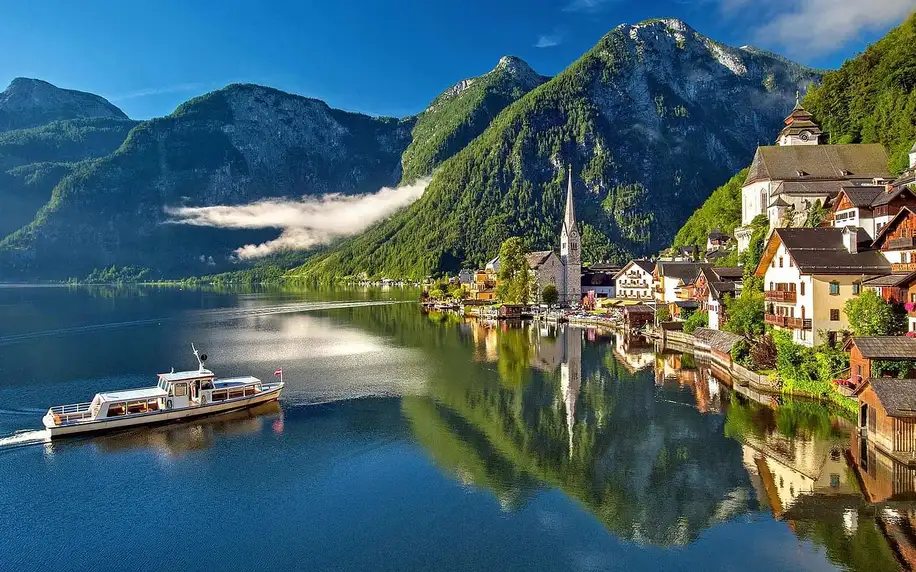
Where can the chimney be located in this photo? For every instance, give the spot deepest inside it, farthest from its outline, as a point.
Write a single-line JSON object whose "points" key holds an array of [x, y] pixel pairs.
{"points": [[851, 239]]}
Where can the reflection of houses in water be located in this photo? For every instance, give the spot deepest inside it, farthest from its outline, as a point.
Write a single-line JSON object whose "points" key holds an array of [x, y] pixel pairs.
{"points": [[486, 340], [789, 468], [633, 352], [677, 367], [882, 476]]}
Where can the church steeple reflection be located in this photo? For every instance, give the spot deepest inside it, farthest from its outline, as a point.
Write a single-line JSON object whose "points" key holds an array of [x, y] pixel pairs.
{"points": [[571, 378]]}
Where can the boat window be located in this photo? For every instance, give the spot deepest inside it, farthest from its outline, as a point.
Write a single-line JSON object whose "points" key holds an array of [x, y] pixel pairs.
{"points": [[116, 409], [181, 389], [250, 390], [218, 395], [236, 393]]}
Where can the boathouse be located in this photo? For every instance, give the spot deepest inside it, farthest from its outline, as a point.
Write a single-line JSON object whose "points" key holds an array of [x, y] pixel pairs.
{"points": [[887, 415], [866, 354]]}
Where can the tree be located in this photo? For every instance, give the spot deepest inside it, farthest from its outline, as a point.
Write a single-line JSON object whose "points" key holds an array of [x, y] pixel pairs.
{"points": [[459, 292], [870, 315], [662, 314], [745, 313], [550, 295], [436, 294], [514, 276], [696, 320]]}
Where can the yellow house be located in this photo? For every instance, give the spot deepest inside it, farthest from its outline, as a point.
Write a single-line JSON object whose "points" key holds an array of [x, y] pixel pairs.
{"points": [[809, 274]]}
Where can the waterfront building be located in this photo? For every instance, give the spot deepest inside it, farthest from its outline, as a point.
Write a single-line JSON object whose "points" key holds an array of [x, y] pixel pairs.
{"points": [[710, 288], [483, 286], [546, 268], [809, 274], [669, 277], [887, 415], [787, 179], [598, 282], [634, 281], [865, 350]]}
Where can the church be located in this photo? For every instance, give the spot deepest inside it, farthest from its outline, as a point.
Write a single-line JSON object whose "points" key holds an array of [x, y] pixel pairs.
{"points": [[787, 179], [563, 271]]}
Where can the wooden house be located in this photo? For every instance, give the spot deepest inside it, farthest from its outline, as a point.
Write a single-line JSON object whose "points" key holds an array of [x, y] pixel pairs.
{"points": [[638, 316], [865, 350], [887, 415]]}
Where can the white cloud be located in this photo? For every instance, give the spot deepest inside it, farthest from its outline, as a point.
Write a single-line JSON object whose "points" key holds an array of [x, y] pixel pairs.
{"points": [[586, 5], [305, 223], [146, 92], [548, 41], [815, 27]]}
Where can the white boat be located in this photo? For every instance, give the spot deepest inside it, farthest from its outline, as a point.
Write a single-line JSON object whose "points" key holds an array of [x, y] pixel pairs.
{"points": [[178, 396]]}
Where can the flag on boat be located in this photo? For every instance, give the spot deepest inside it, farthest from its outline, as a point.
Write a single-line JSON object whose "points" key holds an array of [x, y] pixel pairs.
{"points": [[279, 372]]}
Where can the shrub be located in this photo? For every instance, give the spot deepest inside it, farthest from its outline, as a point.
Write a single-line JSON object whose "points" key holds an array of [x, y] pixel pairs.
{"points": [[696, 320]]}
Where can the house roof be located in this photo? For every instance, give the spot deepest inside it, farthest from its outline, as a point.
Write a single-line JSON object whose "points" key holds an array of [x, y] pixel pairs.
{"points": [[645, 265], [811, 188], [811, 162], [687, 304], [716, 339], [716, 234], [898, 396], [536, 259], [719, 288], [715, 255], [821, 251], [638, 309], [729, 272], [686, 271], [890, 280], [885, 347], [886, 197], [862, 196], [778, 202]]}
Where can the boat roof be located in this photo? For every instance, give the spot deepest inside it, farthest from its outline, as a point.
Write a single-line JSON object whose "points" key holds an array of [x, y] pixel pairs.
{"points": [[132, 394], [185, 375], [237, 380]]}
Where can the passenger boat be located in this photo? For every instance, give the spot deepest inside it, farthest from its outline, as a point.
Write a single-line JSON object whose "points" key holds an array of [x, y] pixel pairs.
{"points": [[178, 396]]}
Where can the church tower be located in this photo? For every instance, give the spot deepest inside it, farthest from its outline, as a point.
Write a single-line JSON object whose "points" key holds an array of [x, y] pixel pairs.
{"points": [[800, 127], [571, 251]]}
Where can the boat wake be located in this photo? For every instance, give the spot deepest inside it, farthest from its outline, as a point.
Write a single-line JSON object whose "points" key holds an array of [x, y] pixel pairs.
{"points": [[25, 438], [198, 317]]}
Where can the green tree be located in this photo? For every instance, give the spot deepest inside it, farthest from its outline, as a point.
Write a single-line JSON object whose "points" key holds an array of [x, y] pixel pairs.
{"points": [[870, 315], [662, 314], [745, 313], [696, 320], [550, 295], [436, 294], [514, 276], [459, 292]]}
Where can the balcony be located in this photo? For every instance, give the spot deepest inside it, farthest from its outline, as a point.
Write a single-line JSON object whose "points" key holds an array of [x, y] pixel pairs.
{"points": [[798, 324], [780, 296], [903, 266], [774, 320], [901, 242]]}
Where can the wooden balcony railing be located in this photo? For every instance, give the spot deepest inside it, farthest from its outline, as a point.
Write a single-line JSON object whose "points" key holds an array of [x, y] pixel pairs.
{"points": [[774, 320], [780, 296], [903, 267], [798, 324]]}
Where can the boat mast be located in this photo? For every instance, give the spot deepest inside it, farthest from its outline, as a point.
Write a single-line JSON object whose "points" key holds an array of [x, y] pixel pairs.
{"points": [[200, 361]]}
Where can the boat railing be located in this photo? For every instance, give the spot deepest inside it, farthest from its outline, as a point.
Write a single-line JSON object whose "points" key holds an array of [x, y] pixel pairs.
{"points": [[72, 408]]}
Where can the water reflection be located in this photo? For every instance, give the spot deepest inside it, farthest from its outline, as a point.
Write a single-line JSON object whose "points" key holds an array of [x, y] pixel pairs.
{"points": [[176, 440]]}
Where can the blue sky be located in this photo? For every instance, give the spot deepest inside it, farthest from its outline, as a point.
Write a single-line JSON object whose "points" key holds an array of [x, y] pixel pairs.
{"points": [[380, 57]]}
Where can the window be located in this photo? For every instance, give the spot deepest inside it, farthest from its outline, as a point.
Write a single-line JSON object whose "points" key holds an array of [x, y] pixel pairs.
{"points": [[180, 389], [117, 409], [834, 288], [772, 288], [801, 288], [856, 287], [773, 263], [834, 315], [780, 261], [791, 264]]}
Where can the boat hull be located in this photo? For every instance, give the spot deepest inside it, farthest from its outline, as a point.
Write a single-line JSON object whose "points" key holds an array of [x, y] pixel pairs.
{"points": [[164, 416]]}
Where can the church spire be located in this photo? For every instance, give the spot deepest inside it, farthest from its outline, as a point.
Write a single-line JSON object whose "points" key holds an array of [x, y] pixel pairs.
{"points": [[569, 220]]}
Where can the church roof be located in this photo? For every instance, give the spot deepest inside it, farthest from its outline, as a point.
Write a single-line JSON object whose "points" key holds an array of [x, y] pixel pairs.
{"points": [[813, 162], [536, 259], [810, 188], [569, 219]]}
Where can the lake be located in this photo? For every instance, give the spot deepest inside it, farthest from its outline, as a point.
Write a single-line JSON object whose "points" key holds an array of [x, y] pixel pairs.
{"points": [[406, 441]]}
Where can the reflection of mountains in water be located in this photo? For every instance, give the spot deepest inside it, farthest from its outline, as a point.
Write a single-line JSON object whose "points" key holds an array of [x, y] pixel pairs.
{"points": [[199, 434], [651, 469]]}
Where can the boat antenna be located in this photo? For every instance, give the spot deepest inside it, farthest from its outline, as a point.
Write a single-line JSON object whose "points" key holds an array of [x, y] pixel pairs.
{"points": [[200, 358]]}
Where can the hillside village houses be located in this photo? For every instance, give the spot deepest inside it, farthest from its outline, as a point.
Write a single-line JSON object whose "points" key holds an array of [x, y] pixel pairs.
{"points": [[635, 281], [788, 179]]}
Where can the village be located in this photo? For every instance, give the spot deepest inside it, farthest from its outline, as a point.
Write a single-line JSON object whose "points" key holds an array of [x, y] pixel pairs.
{"points": [[814, 293]]}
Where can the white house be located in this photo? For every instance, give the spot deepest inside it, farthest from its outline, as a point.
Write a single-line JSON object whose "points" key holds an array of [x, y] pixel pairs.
{"points": [[871, 207], [809, 274], [712, 285], [671, 276], [634, 281]]}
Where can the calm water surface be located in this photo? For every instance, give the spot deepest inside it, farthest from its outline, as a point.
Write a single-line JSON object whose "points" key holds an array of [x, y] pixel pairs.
{"points": [[413, 442]]}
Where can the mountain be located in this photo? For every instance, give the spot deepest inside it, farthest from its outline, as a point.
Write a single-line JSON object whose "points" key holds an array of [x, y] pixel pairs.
{"points": [[76, 126], [234, 146], [463, 112], [32, 102], [650, 119], [872, 97]]}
